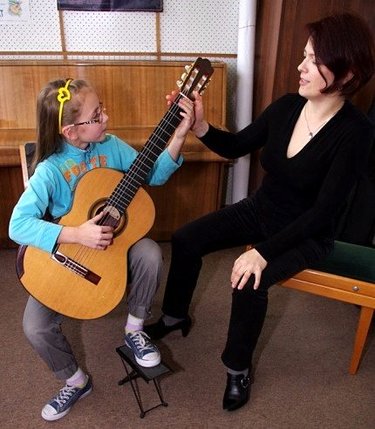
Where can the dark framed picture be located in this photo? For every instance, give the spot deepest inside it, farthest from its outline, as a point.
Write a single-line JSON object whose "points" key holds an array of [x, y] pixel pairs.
{"points": [[111, 5]]}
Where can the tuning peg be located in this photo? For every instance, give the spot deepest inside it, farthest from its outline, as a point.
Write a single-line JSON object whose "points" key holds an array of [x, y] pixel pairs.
{"points": [[188, 67], [179, 83], [203, 89]]}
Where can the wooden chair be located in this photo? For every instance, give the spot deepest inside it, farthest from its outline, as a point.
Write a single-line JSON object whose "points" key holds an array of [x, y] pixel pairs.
{"points": [[347, 275], [26, 152]]}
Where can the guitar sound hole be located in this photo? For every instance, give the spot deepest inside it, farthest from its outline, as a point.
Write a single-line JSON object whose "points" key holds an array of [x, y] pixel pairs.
{"points": [[112, 216]]}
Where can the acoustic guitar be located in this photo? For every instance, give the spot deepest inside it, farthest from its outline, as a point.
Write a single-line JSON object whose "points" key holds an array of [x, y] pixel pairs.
{"points": [[85, 283]]}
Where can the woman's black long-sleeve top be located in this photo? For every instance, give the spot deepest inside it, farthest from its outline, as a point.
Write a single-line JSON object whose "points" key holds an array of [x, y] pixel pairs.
{"points": [[302, 194]]}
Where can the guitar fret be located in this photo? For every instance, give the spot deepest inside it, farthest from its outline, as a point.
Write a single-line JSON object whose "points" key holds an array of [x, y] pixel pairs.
{"points": [[151, 152], [168, 134], [136, 174]]}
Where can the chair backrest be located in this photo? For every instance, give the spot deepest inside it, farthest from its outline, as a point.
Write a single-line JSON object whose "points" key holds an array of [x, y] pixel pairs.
{"points": [[26, 155]]}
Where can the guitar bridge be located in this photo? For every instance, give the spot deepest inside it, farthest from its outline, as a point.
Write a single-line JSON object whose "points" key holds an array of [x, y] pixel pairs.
{"points": [[75, 267]]}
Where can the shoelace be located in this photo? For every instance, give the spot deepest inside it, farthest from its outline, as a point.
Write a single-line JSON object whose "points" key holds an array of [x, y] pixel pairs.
{"points": [[141, 340], [65, 394]]}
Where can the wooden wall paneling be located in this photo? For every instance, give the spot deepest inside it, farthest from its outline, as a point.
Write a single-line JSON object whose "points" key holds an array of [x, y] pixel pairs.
{"points": [[267, 42], [134, 93], [269, 13]]}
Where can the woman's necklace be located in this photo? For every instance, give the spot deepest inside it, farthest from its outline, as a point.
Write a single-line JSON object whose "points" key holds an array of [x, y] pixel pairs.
{"points": [[314, 132]]}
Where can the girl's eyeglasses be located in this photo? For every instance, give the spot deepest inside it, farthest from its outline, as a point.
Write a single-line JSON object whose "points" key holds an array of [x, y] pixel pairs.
{"points": [[97, 119]]}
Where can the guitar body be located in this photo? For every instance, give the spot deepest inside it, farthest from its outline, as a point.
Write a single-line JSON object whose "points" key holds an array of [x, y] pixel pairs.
{"points": [[95, 295]]}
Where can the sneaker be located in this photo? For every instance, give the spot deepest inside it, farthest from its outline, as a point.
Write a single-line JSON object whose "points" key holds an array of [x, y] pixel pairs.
{"points": [[60, 405], [146, 354]]}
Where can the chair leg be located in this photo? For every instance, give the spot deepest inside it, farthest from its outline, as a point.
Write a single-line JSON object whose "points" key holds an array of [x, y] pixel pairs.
{"points": [[360, 337]]}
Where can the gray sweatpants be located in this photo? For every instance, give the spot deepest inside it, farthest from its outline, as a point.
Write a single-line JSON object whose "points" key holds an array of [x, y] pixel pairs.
{"points": [[42, 326]]}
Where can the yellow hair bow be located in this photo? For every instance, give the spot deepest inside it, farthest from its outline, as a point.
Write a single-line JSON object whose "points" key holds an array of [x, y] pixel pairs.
{"points": [[62, 96]]}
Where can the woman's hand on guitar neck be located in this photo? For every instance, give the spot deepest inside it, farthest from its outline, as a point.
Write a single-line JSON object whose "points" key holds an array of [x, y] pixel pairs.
{"points": [[199, 126], [88, 234], [179, 137]]}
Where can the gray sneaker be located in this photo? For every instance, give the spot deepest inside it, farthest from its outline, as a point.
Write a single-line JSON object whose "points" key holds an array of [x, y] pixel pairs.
{"points": [[60, 405], [146, 354]]}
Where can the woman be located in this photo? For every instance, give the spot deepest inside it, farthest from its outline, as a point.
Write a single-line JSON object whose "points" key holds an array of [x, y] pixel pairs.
{"points": [[314, 146]]}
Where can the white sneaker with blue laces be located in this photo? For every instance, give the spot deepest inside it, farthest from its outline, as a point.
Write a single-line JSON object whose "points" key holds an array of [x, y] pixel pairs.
{"points": [[60, 405], [146, 354]]}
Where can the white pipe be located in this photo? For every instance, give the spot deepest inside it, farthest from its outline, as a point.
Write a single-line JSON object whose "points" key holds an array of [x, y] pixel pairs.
{"points": [[244, 90]]}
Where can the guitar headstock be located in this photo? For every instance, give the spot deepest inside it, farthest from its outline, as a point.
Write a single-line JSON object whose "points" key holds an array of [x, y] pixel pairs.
{"points": [[196, 77]]}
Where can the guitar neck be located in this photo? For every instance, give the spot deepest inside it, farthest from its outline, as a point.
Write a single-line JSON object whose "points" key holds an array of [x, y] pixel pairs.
{"points": [[125, 191], [196, 78]]}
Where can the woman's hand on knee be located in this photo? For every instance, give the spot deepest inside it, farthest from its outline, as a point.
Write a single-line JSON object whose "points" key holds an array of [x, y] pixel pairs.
{"points": [[250, 262]]}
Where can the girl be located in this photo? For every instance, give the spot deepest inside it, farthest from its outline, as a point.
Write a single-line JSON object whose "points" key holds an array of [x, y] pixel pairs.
{"points": [[314, 146], [72, 139]]}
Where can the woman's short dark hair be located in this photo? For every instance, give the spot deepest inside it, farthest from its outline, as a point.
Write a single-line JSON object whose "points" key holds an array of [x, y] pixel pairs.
{"points": [[344, 43]]}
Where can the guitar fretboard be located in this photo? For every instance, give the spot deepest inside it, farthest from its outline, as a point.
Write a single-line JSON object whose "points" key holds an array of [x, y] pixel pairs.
{"points": [[125, 191]]}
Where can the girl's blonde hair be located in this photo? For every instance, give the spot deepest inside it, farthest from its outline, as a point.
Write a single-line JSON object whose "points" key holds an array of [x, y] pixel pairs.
{"points": [[49, 139]]}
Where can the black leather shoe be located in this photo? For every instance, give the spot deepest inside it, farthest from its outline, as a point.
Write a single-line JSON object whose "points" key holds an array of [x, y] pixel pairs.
{"points": [[237, 391], [159, 329]]}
